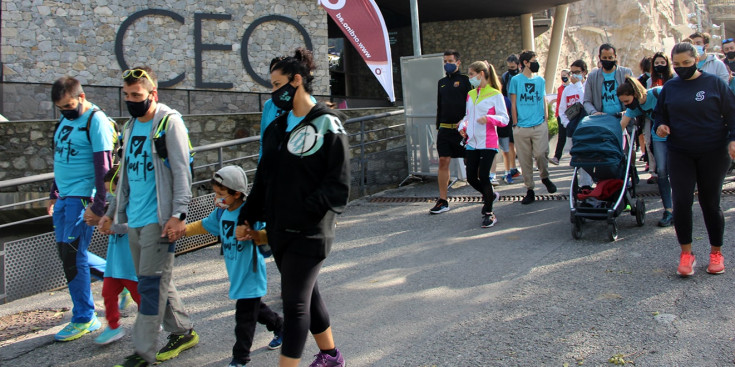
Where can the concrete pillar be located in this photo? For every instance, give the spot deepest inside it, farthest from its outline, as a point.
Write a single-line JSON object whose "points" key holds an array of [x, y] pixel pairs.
{"points": [[557, 35], [527, 32]]}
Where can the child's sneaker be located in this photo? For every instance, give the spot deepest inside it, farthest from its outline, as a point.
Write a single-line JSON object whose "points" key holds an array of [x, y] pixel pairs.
{"points": [[177, 344], [75, 330], [325, 360], [125, 299], [110, 335], [236, 363], [277, 341]]}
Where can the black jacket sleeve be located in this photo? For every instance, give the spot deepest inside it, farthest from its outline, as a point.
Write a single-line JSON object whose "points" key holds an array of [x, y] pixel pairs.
{"points": [[334, 191]]}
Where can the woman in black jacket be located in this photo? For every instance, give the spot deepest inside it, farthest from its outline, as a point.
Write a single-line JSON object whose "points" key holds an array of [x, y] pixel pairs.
{"points": [[302, 182], [696, 111]]}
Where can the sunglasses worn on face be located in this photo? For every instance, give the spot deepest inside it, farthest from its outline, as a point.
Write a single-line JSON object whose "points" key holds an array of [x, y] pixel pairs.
{"points": [[137, 74]]}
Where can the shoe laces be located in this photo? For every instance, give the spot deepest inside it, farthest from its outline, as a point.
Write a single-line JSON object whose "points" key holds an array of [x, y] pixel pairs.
{"points": [[716, 258]]}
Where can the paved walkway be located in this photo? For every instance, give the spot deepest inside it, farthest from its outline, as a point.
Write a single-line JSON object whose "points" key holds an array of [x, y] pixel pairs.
{"points": [[405, 288]]}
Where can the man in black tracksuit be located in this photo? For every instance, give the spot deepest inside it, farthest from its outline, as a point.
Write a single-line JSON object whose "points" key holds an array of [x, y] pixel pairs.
{"points": [[450, 110]]}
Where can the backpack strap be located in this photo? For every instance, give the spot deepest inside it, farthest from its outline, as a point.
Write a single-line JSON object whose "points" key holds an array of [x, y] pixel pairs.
{"points": [[89, 124]]}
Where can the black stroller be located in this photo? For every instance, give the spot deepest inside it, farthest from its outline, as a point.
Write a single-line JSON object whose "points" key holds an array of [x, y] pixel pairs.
{"points": [[597, 148]]}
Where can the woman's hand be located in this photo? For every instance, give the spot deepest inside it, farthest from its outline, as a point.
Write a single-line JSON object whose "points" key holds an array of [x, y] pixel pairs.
{"points": [[663, 131], [482, 120]]}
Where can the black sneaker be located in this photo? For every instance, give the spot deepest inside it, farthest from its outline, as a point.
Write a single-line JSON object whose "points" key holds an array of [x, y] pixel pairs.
{"points": [[550, 187], [489, 220], [440, 207], [133, 361], [666, 220], [496, 197], [530, 197], [177, 344]]}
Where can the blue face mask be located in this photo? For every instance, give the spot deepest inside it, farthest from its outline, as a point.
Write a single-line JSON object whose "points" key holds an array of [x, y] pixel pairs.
{"points": [[450, 68], [700, 49]]}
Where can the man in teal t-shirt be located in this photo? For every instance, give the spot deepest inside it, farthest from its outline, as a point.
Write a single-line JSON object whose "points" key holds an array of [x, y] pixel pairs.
{"points": [[600, 91], [530, 133]]}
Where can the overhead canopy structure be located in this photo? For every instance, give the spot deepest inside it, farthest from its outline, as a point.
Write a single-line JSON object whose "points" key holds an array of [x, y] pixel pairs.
{"points": [[442, 10]]}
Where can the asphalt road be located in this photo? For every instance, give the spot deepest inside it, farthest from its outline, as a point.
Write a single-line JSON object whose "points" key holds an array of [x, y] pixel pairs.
{"points": [[405, 288]]}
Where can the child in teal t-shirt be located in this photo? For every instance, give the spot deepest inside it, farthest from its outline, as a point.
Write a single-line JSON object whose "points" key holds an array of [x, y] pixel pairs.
{"points": [[120, 271], [244, 262]]}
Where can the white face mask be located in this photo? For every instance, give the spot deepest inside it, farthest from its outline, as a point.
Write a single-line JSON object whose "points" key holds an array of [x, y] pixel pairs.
{"points": [[578, 77], [220, 202], [475, 82]]}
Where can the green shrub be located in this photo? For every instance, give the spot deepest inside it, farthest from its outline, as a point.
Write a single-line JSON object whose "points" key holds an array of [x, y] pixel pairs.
{"points": [[553, 124]]}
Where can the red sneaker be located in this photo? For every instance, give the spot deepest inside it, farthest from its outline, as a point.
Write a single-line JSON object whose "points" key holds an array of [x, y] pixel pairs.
{"points": [[716, 263], [687, 262]]}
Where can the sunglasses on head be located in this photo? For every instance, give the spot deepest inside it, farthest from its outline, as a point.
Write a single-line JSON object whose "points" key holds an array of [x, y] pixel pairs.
{"points": [[728, 40], [137, 74]]}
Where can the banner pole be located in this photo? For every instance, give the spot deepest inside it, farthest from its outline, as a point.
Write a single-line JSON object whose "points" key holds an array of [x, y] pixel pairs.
{"points": [[415, 28]]}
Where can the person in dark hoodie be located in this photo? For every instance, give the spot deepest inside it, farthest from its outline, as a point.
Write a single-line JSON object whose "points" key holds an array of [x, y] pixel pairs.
{"points": [[696, 111], [302, 182]]}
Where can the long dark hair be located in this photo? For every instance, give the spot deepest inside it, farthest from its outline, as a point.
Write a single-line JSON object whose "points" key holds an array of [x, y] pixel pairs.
{"points": [[302, 63], [660, 79]]}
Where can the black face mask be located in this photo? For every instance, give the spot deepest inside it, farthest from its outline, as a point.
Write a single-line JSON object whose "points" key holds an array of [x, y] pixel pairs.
{"points": [[686, 72], [534, 66], [138, 109], [512, 71], [661, 69], [608, 64], [564, 79], [730, 55], [633, 105], [283, 97], [73, 114]]}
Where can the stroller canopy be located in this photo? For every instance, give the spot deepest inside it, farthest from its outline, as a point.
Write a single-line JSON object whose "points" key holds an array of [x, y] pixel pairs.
{"points": [[597, 142]]}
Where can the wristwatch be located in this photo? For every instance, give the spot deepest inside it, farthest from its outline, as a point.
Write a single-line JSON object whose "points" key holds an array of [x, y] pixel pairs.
{"points": [[179, 216]]}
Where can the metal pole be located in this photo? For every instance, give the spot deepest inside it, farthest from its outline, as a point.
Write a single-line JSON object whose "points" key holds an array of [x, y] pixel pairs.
{"points": [[527, 31], [557, 35], [415, 28]]}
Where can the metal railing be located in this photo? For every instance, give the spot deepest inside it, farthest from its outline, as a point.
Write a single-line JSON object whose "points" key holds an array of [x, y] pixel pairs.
{"points": [[364, 142]]}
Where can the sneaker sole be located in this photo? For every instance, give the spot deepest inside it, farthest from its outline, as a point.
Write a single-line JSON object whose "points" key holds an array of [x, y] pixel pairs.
{"points": [[274, 348], [488, 226], [175, 353], [93, 327], [442, 210], [690, 274], [715, 272]]}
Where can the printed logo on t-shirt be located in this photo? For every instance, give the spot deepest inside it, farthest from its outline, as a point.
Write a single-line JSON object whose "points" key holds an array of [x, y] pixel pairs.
{"points": [[230, 245], [228, 228], [608, 91], [530, 94], [700, 96], [572, 99], [63, 145], [138, 160]]}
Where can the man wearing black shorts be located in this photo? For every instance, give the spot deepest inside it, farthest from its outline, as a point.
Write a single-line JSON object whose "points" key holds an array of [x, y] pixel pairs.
{"points": [[450, 110]]}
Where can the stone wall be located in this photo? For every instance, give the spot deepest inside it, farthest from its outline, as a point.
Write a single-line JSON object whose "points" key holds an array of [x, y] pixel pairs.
{"points": [[44, 40], [26, 146], [491, 39]]}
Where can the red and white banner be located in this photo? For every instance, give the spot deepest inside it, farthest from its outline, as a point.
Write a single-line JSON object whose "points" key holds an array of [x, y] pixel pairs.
{"points": [[363, 24]]}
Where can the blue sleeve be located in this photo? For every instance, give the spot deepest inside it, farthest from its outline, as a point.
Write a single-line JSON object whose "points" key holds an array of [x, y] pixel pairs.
{"points": [[660, 112], [101, 132], [632, 112], [211, 223], [259, 225], [513, 88]]}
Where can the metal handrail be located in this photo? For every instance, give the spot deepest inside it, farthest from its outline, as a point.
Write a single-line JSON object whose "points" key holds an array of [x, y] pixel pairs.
{"points": [[220, 161]]}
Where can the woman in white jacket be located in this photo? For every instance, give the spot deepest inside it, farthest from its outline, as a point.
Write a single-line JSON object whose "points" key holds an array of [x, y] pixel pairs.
{"points": [[484, 113]]}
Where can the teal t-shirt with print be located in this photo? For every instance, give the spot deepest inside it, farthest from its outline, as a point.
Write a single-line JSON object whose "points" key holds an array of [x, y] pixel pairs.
{"points": [[142, 207], [530, 104], [610, 102]]}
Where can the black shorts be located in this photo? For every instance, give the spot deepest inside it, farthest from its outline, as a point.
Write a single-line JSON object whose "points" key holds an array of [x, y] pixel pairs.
{"points": [[449, 143]]}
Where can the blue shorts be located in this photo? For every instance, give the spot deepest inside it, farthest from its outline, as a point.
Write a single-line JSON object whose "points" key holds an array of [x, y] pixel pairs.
{"points": [[504, 144]]}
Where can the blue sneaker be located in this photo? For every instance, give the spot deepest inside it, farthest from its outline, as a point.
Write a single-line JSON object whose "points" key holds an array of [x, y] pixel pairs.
{"points": [[125, 299], [277, 341], [509, 178], [110, 335], [75, 330]]}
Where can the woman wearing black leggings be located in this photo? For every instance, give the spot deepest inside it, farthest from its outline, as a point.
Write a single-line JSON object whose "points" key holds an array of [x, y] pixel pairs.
{"points": [[301, 183], [696, 111]]}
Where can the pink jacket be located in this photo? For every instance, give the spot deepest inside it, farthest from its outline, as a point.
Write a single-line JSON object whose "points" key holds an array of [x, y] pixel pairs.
{"points": [[489, 103]]}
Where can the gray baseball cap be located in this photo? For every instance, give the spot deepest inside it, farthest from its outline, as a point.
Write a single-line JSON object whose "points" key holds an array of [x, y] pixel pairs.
{"points": [[232, 177]]}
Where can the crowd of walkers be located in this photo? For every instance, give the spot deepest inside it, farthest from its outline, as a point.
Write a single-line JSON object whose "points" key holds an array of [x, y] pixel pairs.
{"points": [[683, 106], [134, 182]]}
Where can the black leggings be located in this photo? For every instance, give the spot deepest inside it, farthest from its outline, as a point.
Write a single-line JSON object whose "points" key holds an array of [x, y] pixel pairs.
{"points": [[247, 312], [561, 139], [478, 163], [303, 308], [707, 171]]}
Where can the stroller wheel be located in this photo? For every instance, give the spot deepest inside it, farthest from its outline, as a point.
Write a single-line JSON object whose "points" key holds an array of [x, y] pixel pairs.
{"points": [[577, 228], [640, 213], [613, 232]]}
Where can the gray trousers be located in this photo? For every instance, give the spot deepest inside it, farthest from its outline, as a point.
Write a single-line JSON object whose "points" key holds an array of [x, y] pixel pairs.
{"points": [[159, 302]]}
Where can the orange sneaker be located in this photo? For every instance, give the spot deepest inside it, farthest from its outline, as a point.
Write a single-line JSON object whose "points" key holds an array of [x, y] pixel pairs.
{"points": [[687, 262], [716, 263]]}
